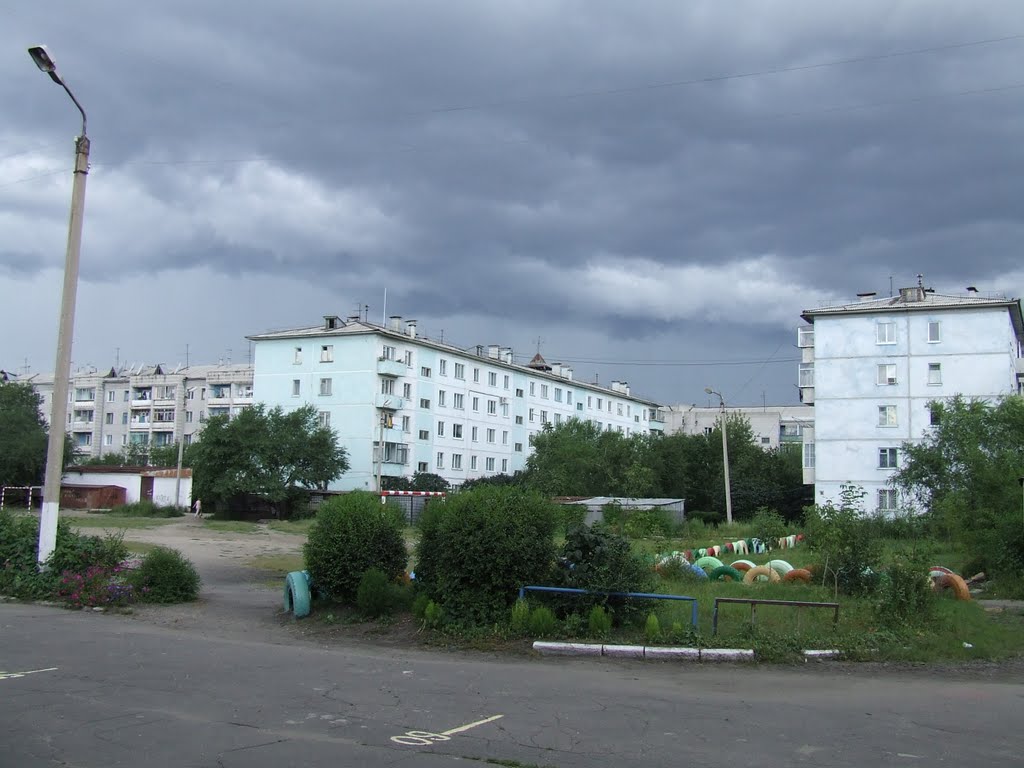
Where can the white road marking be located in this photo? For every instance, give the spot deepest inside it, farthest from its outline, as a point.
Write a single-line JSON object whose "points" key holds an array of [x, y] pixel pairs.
{"points": [[462, 728], [425, 738], [12, 675]]}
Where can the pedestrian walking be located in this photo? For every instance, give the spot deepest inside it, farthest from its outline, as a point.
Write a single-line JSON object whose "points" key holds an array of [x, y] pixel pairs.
{"points": [[198, 508]]}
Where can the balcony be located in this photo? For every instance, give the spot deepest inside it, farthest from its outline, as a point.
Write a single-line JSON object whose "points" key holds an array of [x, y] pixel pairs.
{"points": [[393, 435], [390, 402], [392, 368]]}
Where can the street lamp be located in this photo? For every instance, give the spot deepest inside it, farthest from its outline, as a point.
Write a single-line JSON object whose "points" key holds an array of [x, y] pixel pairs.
{"points": [[725, 456], [65, 329]]}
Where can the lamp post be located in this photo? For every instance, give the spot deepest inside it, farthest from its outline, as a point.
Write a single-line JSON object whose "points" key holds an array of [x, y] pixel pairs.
{"points": [[725, 456], [65, 329]]}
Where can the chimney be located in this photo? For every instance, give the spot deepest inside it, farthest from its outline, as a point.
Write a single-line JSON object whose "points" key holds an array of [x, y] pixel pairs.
{"points": [[395, 323], [556, 368], [492, 351], [910, 295], [567, 372], [410, 328], [506, 355]]}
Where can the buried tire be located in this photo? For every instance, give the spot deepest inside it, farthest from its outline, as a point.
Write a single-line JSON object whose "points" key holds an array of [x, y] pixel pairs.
{"points": [[755, 574], [726, 573], [296, 594], [798, 574], [953, 582]]}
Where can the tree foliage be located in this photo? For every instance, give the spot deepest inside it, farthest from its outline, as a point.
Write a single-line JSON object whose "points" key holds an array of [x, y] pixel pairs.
{"points": [[24, 435], [273, 454]]}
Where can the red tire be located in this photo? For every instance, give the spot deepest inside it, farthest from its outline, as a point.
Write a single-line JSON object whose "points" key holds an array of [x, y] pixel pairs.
{"points": [[798, 574]]}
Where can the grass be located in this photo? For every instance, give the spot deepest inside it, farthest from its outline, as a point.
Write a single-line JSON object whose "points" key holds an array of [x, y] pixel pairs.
{"points": [[296, 527], [140, 547], [230, 526], [117, 521], [278, 565]]}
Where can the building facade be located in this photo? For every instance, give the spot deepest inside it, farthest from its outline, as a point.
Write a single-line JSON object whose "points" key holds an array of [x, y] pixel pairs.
{"points": [[402, 404], [774, 426], [871, 369], [146, 405]]}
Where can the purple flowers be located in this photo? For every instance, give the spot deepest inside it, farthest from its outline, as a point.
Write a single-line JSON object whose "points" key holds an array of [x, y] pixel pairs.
{"points": [[96, 587]]}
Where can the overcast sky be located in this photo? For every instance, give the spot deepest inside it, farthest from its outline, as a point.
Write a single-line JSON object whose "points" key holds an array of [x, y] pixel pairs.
{"points": [[654, 190]]}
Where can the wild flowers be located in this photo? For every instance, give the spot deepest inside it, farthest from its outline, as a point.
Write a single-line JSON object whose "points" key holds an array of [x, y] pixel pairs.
{"points": [[95, 587]]}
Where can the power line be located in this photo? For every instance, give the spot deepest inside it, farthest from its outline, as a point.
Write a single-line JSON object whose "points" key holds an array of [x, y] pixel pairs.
{"points": [[668, 363]]}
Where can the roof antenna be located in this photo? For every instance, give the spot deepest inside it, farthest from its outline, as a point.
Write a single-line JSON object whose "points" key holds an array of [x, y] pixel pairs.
{"points": [[971, 289], [920, 280], [890, 285]]}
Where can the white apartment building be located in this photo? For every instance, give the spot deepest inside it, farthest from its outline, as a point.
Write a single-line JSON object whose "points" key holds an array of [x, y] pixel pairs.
{"points": [[401, 403], [773, 426], [871, 368], [145, 404]]}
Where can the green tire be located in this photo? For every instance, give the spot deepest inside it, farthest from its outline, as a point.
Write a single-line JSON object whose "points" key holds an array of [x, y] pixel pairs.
{"points": [[296, 594], [709, 563], [726, 571]]}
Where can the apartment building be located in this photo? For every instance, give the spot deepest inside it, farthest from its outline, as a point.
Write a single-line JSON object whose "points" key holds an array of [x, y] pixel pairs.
{"points": [[401, 403], [146, 404], [773, 426], [871, 368]]}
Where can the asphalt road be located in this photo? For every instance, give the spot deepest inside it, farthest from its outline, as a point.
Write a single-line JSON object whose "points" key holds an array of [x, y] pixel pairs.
{"points": [[108, 691]]}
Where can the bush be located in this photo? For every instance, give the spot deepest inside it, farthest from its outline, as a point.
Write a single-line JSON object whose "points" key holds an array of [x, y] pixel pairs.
{"points": [[645, 523], [599, 622], [597, 559], [652, 629], [480, 546], [419, 606], [96, 587], [768, 526], [148, 509], [904, 594], [433, 615], [846, 543], [542, 622], [352, 534], [706, 517], [165, 576], [375, 596], [520, 616]]}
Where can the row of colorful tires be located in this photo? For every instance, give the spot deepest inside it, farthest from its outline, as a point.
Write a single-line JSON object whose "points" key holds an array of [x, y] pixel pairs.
{"points": [[740, 547]]}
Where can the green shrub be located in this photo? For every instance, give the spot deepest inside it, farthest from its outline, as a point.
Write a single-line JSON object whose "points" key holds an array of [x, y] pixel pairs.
{"points": [[520, 616], [844, 540], [542, 622], [96, 587], [352, 534], [148, 509], [597, 559], [375, 596], [433, 615], [599, 622], [904, 596], [419, 606], [652, 629], [768, 526], [165, 576], [478, 548], [645, 523], [707, 518]]}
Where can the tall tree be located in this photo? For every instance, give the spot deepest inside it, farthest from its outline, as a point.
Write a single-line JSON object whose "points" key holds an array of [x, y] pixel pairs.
{"points": [[273, 454], [23, 436]]}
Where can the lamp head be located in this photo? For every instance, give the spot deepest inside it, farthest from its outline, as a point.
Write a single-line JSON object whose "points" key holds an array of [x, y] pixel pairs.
{"points": [[709, 390], [45, 63]]}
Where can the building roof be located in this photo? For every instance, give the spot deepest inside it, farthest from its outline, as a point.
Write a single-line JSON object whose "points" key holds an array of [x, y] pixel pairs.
{"points": [[625, 501], [920, 300]]}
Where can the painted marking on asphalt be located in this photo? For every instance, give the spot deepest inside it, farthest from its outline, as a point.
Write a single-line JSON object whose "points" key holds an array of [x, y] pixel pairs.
{"points": [[426, 738], [12, 675]]}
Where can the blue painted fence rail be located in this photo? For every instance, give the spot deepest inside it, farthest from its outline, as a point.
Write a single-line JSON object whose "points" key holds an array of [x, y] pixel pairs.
{"points": [[644, 595]]}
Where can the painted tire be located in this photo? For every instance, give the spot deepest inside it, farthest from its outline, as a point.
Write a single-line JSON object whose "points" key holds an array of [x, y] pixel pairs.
{"points": [[699, 572], [939, 569], [781, 567], [954, 582], [754, 574], [296, 594], [739, 547], [726, 573], [798, 574], [742, 565], [709, 563]]}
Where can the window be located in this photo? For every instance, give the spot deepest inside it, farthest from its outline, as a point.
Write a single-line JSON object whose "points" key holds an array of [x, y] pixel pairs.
{"points": [[424, 402], [440, 460], [325, 387], [442, 369], [476, 404], [492, 379], [504, 465], [805, 336], [618, 409], [325, 418], [806, 374], [492, 407], [558, 394], [407, 390], [108, 439], [519, 447], [421, 466], [472, 462], [504, 437], [887, 415], [544, 391], [108, 418], [124, 439], [460, 371], [885, 333], [425, 372], [440, 429], [504, 410], [296, 387], [579, 406], [590, 401], [531, 414], [476, 375], [441, 398], [543, 417], [934, 331], [599, 403], [808, 455], [388, 353], [86, 394], [934, 415], [474, 433], [887, 458], [886, 374], [327, 353], [532, 392], [387, 386], [507, 381], [490, 463], [568, 397], [112, 395], [405, 424], [456, 461], [459, 401], [934, 373], [297, 356], [519, 392], [490, 435], [124, 417], [519, 419], [163, 415], [457, 431], [83, 415], [886, 500], [710, 430], [766, 441], [424, 434], [408, 359]]}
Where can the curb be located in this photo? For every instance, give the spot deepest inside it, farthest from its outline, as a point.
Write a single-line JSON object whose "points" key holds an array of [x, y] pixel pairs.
{"points": [[665, 653]]}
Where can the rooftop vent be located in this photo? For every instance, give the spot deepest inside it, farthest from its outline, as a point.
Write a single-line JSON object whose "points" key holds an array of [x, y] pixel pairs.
{"points": [[410, 328], [866, 296], [332, 322], [912, 294], [395, 323]]}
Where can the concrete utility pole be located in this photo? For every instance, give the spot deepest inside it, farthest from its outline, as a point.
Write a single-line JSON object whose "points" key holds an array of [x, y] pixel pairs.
{"points": [[65, 330], [725, 456]]}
